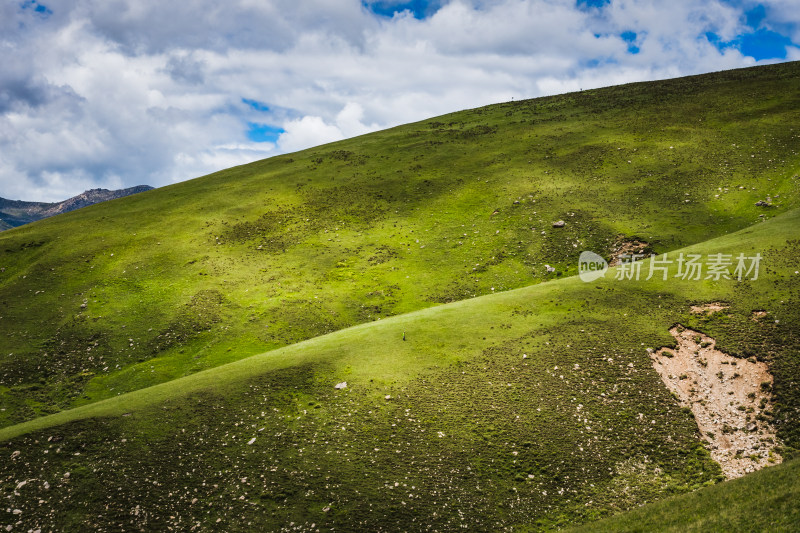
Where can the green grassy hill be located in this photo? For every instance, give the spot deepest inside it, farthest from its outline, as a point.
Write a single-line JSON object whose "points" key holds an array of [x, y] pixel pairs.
{"points": [[189, 339], [131, 293], [527, 409], [763, 501]]}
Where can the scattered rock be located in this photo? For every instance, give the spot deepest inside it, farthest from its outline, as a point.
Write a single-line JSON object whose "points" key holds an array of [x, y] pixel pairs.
{"points": [[559, 224], [251, 441], [763, 203], [15, 454], [549, 268], [341, 385]]}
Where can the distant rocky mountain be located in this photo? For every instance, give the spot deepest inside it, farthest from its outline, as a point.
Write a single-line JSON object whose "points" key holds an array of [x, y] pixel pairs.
{"points": [[15, 213]]}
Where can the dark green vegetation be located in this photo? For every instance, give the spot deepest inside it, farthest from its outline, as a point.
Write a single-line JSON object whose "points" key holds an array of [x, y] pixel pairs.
{"points": [[528, 409], [764, 501]]}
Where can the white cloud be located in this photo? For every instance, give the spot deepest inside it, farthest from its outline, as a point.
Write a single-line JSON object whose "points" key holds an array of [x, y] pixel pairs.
{"points": [[313, 130], [307, 131], [349, 121], [124, 92], [783, 15]]}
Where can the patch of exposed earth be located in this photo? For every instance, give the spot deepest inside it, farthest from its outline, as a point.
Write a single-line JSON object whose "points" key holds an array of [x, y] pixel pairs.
{"points": [[625, 248], [731, 399], [709, 308]]}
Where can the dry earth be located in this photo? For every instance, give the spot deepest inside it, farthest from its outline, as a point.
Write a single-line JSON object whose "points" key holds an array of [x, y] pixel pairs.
{"points": [[730, 399], [710, 308], [626, 248]]}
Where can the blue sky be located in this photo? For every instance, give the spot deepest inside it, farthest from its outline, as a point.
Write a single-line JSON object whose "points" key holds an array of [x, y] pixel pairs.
{"points": [[760, 37], [261, 133], [114, 94], [420, 9], [761, 42]]}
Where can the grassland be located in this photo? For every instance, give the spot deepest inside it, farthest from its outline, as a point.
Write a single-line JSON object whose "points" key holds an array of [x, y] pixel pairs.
{"points": [[764, 501], [127, 294], [491, 395], [529, 409]]}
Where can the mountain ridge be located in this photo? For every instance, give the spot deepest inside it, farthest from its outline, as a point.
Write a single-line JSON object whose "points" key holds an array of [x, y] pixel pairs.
{"points": [[15, 213]]}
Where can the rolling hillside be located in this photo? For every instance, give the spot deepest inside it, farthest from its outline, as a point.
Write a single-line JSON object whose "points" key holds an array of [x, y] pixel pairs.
{"points": [[189, 343], [527, 409], [764, 501], [117, 297]]}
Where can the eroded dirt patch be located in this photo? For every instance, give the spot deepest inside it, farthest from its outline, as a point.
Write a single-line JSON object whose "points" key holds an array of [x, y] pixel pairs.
{"points": [[709, 308], [730, 398], [624, 248]]}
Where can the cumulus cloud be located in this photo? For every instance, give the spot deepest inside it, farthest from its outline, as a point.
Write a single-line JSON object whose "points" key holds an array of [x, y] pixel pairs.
{"points": [[307, 131], [311, 131], [123, 92]]}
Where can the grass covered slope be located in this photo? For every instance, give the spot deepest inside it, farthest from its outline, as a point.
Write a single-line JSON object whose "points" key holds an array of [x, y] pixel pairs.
{"points": [[139, 291], [528, 409], [763, 501]]}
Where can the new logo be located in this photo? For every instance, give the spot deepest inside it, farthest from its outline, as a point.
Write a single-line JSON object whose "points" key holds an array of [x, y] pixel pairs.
{"points": [[591, 266]]}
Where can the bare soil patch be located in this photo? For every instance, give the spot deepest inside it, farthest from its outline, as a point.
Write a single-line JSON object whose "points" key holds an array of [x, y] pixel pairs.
{"points": [[731, 399], [624, 248], [709, 308]]}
